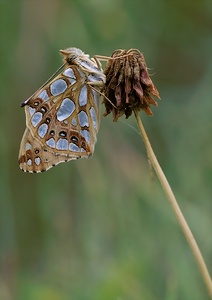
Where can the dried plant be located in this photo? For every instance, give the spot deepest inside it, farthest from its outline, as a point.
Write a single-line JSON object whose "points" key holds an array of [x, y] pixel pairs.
{"points": [[128, 89], [128, 85]]}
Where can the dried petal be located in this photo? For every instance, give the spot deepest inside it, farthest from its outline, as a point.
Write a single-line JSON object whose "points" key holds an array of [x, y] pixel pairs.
{"points": [[128, 85]]}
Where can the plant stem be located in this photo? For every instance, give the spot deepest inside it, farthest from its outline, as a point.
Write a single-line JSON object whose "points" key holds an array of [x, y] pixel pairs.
{"points": [[172, 200]]}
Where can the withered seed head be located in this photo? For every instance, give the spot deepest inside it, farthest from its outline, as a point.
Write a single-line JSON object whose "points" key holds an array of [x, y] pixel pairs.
{"points": [[128, 85]]}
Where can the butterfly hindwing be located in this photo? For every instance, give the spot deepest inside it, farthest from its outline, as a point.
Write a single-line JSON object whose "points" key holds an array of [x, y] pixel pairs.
{"points": [[34, 158], [62, 119]]}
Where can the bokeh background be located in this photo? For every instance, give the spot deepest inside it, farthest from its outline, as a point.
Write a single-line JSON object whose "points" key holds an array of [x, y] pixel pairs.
{"points": [[102, 228]]}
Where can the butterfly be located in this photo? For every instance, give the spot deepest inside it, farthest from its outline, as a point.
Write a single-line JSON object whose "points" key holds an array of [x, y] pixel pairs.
{"points": [[62, 117]]}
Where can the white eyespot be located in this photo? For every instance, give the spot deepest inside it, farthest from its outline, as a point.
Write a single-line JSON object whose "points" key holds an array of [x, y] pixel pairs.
{"points": [[66, 109], [36, 118], [51, 143], [83, 96], [42, 130], [83, 119], [62, 144], [58, 87]]}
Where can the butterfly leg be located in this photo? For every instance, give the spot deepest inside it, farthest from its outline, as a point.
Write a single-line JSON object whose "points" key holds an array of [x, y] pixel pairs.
{"points": [[99, 83]]}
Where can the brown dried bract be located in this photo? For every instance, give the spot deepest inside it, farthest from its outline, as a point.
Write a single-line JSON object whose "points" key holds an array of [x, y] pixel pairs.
{"points": [[128, 86]]}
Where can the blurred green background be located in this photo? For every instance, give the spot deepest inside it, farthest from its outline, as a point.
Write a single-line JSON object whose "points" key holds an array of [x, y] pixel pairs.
{"points": [[102, 228]]}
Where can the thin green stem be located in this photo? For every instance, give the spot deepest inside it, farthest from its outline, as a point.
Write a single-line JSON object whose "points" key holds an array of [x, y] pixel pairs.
{"points": [[173, 202]]}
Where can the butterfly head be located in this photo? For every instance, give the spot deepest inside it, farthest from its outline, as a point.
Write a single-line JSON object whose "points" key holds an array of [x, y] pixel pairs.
{"points": [[71, 54], [75, 56]]}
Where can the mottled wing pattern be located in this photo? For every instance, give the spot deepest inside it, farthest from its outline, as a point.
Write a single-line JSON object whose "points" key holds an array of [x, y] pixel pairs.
{"points": [[34, 158], [62, 118]]}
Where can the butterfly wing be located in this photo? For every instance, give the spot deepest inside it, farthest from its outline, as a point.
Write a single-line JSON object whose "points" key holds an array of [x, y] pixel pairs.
{"points": [[34, 158], [62, 121]]}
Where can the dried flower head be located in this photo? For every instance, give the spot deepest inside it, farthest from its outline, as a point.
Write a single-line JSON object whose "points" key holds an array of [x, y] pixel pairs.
{"points": [[128, 85]]}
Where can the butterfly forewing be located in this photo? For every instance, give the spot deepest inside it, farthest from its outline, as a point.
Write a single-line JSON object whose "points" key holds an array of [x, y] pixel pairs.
{"points": [[62, 118]]}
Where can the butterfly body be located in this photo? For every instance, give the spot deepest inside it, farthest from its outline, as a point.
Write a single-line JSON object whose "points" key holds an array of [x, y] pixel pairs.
{"points": [[62, 117]]}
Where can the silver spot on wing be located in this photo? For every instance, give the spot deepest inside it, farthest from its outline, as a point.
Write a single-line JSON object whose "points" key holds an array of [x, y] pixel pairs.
{"points": [[69, 73], [43, 95], [28, 146], [86, 135], [31, 110], [66, 109], [74, 122], [51, 143], [93, 117], [42, 130], [29, 162], [58, 87], [62, 144], [37, 161], [36, 118], [83, 119], [83, 96], [73, 147]]}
